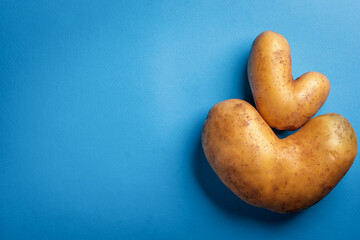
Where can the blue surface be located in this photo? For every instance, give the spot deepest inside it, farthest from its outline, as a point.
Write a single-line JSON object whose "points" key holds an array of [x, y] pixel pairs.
{"points": [[102, 104]]}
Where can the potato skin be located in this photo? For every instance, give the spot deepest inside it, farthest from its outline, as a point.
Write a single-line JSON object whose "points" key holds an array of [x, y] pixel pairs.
{"points": [[284, 104], [282, 175]]}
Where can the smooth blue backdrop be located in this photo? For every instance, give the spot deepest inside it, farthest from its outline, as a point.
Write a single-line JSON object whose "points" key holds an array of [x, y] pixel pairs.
{"points": [[102, 104]]}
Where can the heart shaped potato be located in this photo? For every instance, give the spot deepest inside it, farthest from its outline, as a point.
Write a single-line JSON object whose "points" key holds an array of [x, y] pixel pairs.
{"points": [[284, 104], [282, 175]]}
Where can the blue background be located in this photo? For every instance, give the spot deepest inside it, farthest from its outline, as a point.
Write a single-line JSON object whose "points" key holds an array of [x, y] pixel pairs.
{"points": [[102, 105]]}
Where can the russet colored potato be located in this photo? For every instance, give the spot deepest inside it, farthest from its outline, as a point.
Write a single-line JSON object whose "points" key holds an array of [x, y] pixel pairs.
{"points": [[284, 104], [282, 175]]}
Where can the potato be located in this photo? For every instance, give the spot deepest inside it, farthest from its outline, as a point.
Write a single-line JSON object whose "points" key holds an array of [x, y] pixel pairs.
{"points": [[284, 104], [282, 175]]}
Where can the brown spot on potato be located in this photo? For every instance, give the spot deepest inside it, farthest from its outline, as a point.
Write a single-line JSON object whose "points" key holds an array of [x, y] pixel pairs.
{"points": [[238, 105]]}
